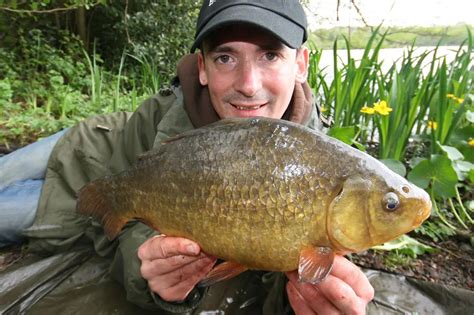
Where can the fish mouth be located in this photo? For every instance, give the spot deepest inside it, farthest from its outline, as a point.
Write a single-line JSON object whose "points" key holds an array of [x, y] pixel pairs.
{"points": [[423, 214]]}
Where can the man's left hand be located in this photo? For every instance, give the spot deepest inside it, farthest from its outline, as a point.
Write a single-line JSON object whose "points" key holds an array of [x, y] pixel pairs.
{"points": [[346, 290]]}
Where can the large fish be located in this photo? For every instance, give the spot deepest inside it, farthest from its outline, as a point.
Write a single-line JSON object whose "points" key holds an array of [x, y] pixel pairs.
{"points": [[263, 194]]}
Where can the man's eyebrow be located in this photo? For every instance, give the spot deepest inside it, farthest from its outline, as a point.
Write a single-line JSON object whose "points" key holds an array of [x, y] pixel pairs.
{"points": [[221, 49], [273, 46]]}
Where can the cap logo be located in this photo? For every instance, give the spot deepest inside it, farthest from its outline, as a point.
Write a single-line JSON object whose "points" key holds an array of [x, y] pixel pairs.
{"points": [[211, 2]]}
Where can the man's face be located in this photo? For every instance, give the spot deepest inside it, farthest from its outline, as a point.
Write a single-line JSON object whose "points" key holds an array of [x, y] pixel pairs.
{"points": [[249, 72]]}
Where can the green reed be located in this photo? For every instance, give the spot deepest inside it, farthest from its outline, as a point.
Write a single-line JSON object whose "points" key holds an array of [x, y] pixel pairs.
{"points": [[391, 107]]}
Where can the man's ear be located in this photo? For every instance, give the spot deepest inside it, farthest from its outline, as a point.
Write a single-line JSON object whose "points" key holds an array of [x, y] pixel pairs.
{"points": [[302, 62], [202, 69]]}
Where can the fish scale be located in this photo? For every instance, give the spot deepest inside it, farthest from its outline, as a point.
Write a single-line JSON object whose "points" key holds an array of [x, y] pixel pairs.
{"points": [[259, 192]]}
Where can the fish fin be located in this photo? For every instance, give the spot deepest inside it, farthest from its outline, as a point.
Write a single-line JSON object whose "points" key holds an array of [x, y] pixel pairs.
{"points": [[224, 271], [185, 134], [92, 200], [195, 132], [147, 156], [315, 264]]}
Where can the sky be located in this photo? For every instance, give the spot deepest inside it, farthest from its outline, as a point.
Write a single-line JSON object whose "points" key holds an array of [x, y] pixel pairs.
{"points": [[391, 12]]}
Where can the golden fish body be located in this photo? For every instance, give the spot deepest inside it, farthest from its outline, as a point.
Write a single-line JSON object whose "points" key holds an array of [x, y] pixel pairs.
{"points": [[258, 192]]}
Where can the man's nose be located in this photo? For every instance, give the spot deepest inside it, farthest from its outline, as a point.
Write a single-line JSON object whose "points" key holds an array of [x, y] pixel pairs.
{"points": [[248, 81]]}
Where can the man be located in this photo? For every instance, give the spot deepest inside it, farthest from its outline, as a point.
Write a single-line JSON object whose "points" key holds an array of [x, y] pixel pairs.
{"points": [[251, 63]]}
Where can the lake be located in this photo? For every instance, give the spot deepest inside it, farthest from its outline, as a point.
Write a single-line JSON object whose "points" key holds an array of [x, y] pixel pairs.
{"points": [[389, 56]]}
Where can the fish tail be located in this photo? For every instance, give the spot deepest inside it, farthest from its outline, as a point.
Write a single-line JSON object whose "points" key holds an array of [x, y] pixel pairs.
{"points": [[94, 201]]}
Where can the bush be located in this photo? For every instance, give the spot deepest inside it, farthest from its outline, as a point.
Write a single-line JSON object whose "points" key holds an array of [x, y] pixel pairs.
{"points": [[159, 31]]}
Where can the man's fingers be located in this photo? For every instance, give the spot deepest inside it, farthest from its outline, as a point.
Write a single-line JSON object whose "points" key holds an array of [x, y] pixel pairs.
{"points": [[310, 295], [176, 285], [353, 276], [164, 247], [341, 295], [152, 268], [296, 300]]}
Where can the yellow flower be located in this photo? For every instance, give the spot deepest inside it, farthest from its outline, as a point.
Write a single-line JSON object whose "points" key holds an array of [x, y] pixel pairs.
{"points": [[382, 108], [471, 142], [367, 110], [432, 124], [453, 97], [323, 109]]}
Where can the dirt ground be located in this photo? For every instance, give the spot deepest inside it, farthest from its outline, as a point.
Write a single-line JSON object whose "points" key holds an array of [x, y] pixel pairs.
{"points": [[451, 264]]}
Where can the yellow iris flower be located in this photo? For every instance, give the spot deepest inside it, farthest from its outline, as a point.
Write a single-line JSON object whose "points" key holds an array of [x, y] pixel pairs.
{"points": [[382, 108], [471, 142], [432, 124], [367, 110], [453, 97]]}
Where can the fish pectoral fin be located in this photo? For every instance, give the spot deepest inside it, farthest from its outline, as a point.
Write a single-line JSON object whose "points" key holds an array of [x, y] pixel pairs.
{"points": [[224, 271], [315, 264]]}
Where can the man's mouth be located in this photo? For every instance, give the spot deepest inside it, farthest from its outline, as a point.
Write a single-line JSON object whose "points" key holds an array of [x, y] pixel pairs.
{"points": [[247, 107]]}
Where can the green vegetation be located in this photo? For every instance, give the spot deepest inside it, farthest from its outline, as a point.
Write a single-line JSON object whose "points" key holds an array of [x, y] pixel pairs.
{"points": [[416, 117], [63, 61]]}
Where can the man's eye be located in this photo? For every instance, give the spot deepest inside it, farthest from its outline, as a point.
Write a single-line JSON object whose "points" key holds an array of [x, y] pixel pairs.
{"points": [[270, 56], [223, 59]]}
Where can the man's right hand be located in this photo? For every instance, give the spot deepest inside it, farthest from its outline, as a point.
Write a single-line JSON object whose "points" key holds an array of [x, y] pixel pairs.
{"points": [[173, 266]]}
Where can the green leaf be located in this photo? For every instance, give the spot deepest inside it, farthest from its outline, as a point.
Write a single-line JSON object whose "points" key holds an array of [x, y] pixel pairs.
{"points": [[415, 160], [421, 174], [407, 245], [462, 168], [471, 176], [468, 153], [439, 172], [452, 152], [345, 134], [444, 177], [395, 166]]}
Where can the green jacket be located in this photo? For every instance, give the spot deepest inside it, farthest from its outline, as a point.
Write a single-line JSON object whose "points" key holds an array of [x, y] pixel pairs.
{"points": [[108, 144]]}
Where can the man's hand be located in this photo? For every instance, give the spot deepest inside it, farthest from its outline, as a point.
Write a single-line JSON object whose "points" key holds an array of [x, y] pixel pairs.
{"points": [[173, 266], [346, 290]]}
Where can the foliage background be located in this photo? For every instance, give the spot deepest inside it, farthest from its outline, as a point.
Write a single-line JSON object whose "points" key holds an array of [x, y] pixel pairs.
{"points": [[159, 30]]}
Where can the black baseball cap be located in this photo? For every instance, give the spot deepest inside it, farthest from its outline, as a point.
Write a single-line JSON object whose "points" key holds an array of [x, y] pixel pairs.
{"points": [[285, 19]]}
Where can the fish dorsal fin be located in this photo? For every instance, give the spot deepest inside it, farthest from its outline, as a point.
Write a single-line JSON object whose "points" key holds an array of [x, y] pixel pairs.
{"points": [[198, 131], [157, 151], [220, 123], [147, 155], [224, 271], [315, 264]]}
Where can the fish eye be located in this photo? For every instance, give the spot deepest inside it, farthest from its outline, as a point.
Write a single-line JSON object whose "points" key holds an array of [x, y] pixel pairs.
{"points": [[390, 201]]}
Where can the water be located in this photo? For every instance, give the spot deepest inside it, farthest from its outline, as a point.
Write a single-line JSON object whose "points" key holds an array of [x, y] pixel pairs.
{"points": [[388, 57]]}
